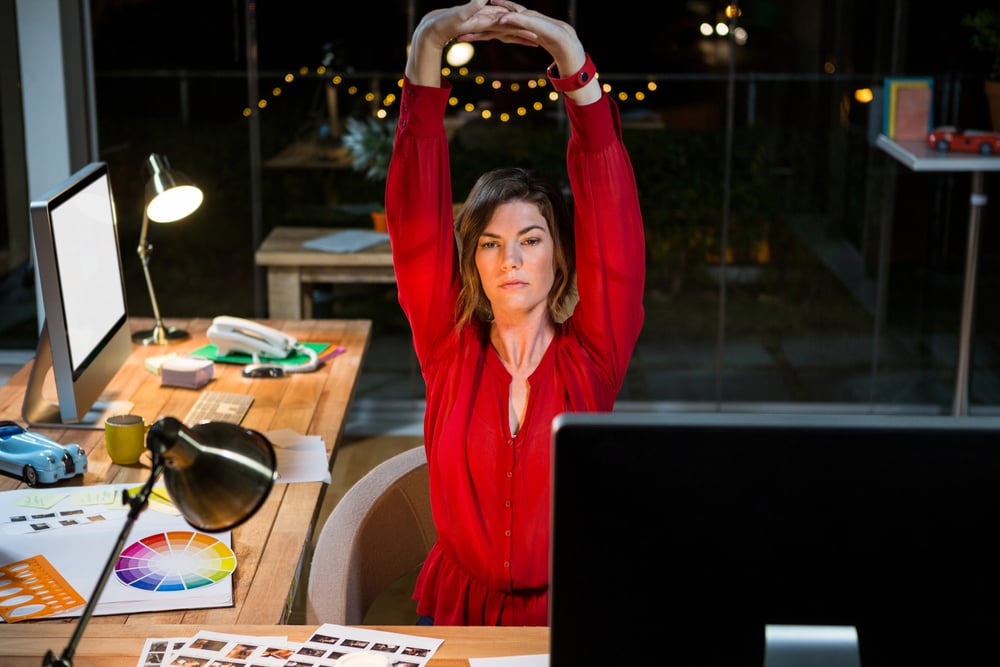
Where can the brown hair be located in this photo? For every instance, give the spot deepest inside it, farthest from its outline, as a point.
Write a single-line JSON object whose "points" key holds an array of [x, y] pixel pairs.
{"points": [[492, 189]]}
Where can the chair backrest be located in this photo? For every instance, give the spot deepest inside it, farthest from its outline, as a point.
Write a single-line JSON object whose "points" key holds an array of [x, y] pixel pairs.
{"points": [[379, 531]]}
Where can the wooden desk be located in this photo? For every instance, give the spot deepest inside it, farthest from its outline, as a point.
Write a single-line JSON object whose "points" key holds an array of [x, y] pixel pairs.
{"points": [[24, 645], [917, 156], [292, 269], [311, 153], [270, 546]]}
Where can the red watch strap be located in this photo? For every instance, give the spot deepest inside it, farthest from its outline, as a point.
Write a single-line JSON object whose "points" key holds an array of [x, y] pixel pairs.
{"points": [[570, 83]]}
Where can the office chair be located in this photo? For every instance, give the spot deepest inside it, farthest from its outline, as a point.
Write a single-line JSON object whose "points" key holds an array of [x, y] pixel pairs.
{"points": [[379, 532]]}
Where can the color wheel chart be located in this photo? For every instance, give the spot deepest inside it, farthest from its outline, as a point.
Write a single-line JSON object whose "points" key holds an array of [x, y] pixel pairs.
{"points": [[175, 561]]}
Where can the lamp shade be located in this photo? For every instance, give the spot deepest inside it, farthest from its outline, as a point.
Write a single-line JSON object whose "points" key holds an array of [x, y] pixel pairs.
{"points": [[217, 474], [170, 194]]}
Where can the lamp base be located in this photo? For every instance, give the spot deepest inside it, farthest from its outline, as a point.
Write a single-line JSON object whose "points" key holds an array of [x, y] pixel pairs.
{"points": [[160, 335]]}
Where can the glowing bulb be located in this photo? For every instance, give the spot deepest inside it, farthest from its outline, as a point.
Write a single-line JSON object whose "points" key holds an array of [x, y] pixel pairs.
{"points": [[459, 54]]}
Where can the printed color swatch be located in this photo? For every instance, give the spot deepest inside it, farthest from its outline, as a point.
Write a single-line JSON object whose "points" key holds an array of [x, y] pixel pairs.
{"points": [[175, 561]]}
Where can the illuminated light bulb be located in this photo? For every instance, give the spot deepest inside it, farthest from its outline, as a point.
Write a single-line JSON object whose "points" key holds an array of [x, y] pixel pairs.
{"points": [[460, 53]]}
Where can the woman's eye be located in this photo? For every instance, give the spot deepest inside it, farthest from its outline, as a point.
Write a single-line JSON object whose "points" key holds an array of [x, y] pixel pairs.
{"points": [[531, 241], [488, 244]]}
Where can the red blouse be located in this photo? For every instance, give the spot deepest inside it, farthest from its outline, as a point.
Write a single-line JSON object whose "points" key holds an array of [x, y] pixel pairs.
{"points": [[490, 491]]}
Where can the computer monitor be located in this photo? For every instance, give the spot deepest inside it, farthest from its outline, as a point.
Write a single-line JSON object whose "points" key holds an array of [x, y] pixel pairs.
{"points": [[85, 336], [682, 538]]}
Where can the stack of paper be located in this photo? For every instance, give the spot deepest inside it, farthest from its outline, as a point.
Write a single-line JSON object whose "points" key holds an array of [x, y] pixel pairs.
{"points": [[189, 372], [301, 458]]}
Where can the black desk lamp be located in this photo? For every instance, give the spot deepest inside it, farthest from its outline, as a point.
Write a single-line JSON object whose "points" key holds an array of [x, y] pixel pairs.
{"points": [[170, 196], [217, 474]]}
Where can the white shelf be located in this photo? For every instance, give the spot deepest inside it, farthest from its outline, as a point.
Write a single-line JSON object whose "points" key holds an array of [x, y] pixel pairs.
{"points": [[918, 156]]}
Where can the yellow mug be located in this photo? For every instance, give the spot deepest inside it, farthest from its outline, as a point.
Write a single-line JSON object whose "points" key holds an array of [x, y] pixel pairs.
{"points": [[125, 438]]}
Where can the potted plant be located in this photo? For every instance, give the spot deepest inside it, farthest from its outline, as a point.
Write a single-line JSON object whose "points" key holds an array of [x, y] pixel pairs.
{"points": [[984, 25], [369, 143]]}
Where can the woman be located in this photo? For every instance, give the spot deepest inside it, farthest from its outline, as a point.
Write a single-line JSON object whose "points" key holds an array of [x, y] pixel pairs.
{"points": [[499, 351]]}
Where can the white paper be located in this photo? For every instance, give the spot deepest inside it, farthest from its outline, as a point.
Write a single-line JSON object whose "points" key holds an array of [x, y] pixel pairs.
{"points": [[349, 240], [217, 648], [538, 660], [301, 458], [325, 645], [330, 642], [76, 538]]}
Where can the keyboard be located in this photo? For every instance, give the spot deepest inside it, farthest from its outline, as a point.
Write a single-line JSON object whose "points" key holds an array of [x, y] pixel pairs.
{"points": [[219, 406]]}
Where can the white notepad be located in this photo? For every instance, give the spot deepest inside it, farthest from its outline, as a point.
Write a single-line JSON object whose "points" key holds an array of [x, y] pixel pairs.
{"points": [[348, 240]]}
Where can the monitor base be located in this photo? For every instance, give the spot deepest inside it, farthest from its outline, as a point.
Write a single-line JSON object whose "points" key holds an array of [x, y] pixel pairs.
{"points": [[813, 645]]}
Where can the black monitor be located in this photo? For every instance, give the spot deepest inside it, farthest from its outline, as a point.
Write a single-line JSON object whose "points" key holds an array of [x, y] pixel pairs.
{"points": [[85, 336], [686, 537]]}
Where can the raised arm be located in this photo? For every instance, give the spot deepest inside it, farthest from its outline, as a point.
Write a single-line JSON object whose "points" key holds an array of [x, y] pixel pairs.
{"points": [[418, 190], [610, 243]]}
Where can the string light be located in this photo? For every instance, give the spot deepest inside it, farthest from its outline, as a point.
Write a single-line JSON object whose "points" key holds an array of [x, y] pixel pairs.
{"points": [[462, 75]]}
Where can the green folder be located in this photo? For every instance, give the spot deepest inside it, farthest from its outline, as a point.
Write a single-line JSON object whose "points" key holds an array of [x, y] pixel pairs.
{"points": [[212, 352]]}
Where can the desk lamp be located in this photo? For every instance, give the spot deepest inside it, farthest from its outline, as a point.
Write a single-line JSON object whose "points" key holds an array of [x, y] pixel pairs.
{"points": [[170, 196], [217, 474]]}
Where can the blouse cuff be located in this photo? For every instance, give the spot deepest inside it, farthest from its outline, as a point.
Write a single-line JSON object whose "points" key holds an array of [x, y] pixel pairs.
{"points": [[595, 125], [423, 107]]}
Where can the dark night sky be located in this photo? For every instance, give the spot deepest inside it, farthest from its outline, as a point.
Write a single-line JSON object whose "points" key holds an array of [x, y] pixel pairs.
{"points": [[786, 35], [294, 33]]}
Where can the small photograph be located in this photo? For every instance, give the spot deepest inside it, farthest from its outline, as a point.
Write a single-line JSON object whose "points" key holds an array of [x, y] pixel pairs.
{"points": [[38, 527], [299, 663], [188, 661], [403, 663], [18, 518], [356, 643], [225, 662], [324, 639], [276, 652], [153, 659], [50, 515], [416, 651], [156, 651], [204, 643], [68, 522], [312, 652], [385, 648], [242, 651], [70, 512]]}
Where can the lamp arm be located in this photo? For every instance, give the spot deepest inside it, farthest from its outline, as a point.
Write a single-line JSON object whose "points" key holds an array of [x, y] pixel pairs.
{"points": [[144, 250], [137, 504]]}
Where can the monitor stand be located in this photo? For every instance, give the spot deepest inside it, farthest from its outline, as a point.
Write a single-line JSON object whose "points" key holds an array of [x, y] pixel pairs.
{"points": [[811, 646], [40, 411]]}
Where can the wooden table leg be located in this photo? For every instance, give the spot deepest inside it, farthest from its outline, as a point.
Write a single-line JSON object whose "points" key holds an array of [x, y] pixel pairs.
{"points": [[284, 293]]}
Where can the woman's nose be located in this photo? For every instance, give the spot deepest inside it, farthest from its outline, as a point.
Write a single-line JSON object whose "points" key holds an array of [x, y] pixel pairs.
{"points": [[511, 258]]}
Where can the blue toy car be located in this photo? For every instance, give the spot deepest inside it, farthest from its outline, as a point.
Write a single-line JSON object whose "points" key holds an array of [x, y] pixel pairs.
{"points": [[36, 458]]}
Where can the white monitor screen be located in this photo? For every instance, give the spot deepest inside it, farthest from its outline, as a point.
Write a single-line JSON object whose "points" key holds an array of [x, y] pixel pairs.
{"points": [[83, 230]]}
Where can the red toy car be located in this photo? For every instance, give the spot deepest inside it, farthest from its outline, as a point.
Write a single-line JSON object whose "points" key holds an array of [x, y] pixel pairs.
{"points": [[950, 138]]}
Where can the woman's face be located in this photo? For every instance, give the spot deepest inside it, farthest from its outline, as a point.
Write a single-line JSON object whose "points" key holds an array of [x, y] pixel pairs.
{"points": [[515, 259]]}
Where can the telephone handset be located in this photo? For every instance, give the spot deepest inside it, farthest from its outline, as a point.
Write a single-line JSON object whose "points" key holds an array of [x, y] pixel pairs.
{"points": [[235, 334]]}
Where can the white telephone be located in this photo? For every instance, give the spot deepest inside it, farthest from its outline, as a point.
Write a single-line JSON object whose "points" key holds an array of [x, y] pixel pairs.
{"points": [[235, 334]]}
